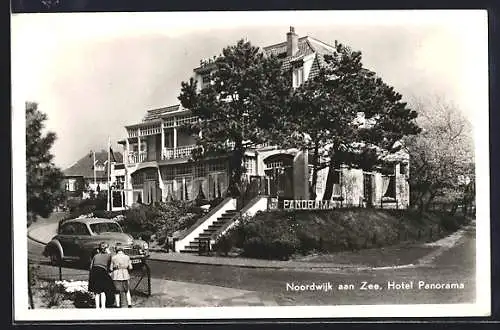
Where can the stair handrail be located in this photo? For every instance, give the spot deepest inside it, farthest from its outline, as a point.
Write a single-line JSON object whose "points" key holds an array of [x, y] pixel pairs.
{"points": [[217, 234], [204, 218]]}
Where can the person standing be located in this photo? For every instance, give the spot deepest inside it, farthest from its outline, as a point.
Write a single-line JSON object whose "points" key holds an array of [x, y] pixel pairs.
{"points": [[100, 281], [120, 266]]}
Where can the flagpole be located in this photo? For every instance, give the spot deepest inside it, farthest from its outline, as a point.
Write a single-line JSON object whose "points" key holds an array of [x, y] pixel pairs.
{"points": [[95, 180], [109, 174]]}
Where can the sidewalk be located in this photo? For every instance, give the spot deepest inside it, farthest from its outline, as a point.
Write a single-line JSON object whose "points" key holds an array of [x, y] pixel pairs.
{"points": [[405, 256], [167, 293]]}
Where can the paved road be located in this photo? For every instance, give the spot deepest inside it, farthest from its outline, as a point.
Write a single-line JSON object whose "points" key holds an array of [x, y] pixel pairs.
{"points": [[455, 268]]}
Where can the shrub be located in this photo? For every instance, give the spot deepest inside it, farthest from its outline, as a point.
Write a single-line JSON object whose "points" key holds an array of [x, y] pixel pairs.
{"points": [[161, 219], [224, 244], [54, 294]]}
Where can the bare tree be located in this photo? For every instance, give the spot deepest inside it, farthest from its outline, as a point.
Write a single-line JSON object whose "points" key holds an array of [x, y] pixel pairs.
{"points": [[442, 155]]}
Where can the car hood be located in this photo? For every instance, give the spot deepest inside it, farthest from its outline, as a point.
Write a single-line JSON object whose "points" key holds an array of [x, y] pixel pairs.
{"points": [[122, 238]]}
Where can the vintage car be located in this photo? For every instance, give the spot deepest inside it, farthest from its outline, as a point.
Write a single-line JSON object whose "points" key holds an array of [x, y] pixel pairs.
{"points": [[78, 240]]}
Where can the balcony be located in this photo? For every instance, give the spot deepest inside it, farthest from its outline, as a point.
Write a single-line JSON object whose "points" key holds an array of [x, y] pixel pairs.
{"points": [[179, 152], [134, 157]]}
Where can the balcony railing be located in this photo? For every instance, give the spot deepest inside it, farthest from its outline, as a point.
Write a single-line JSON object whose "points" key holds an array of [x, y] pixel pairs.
{"points": [[179, 152], [136, 157]]}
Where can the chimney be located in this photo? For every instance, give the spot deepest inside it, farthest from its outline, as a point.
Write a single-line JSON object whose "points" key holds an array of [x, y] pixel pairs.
{"points": [[292, 42]]}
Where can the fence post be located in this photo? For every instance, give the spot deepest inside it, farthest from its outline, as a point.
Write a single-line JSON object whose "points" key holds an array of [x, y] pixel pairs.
{"points": [[30, 282], [60, 271], [148, 273]]}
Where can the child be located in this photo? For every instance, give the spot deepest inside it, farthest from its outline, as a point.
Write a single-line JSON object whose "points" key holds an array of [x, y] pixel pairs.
{"points": [[120, 265]]}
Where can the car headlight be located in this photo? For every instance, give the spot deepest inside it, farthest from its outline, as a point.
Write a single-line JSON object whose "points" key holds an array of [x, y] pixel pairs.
{"points": [[145, 246]]}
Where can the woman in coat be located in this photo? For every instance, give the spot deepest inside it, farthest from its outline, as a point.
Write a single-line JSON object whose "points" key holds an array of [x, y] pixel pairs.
{"points": [[100, 282]]}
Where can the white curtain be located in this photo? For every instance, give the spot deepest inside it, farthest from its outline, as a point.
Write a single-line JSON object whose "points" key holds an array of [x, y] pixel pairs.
{"points": [[385, 184], [337, 191], [321, 183], [221, 184], [187, 188]]}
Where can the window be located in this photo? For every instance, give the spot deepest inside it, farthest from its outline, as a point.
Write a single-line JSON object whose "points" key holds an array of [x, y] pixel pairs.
{"points": [[298, 77], [249, 164], [138, 179], [183, 185], [120, 182], [71, 185], [151, 175], [403, 168], [183, 170], [276, 164], [389, 186], [217, 166], [105, 227], [200, 170], [169, 138], [205, 78], [81, 229], [68, 229], [168, 173]]}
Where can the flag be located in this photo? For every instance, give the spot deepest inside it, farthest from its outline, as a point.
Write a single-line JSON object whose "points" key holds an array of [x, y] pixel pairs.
{"points": [[112, 154]]}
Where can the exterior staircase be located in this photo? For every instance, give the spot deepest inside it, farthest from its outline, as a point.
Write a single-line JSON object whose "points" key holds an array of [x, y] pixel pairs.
{"points": [[222, 220]]}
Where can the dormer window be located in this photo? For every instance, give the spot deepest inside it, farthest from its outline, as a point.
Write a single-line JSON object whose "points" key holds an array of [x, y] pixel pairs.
{"points": [[297, 77], [206, 79]]}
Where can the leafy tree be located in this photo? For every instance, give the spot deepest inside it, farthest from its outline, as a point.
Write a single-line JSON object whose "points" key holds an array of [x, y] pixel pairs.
{"points": [[442, 156], [325, 115], [240, 107], [44, 180]]}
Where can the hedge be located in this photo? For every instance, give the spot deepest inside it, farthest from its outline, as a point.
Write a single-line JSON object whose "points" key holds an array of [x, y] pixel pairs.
{"points": [[281, 234]]}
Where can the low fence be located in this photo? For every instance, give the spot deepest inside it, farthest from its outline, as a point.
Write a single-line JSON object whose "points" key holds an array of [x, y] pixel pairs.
{"points": [[140, 277], [454, 208]]}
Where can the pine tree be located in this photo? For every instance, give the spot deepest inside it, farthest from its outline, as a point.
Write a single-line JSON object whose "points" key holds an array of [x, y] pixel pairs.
{"points": [[44, 180], [239, 108], [325, 115]]}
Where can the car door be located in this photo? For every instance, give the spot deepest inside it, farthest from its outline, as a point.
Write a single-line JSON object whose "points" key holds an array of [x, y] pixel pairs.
{"points": [[82, 240], [66, 239]]}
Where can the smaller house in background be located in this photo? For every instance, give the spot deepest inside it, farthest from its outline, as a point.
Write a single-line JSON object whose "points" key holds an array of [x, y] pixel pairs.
{"points": [[80, 180]]}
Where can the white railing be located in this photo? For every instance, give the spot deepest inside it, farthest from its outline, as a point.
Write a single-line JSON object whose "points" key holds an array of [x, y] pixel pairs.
{"points": [[136, 157], [151, 130], [179, 152], [133, 132]]}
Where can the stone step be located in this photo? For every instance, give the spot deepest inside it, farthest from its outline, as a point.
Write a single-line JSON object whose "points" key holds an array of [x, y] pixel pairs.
{"points": [[219, 222]]}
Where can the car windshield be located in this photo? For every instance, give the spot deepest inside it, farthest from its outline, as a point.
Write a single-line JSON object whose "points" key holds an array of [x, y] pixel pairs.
{"points": [[105, 227]]}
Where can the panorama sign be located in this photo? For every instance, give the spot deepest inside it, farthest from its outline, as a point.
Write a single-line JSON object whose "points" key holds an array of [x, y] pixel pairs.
{"points": [[308, 204]]}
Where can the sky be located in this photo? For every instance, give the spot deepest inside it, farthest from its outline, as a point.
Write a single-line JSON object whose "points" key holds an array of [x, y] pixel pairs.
{"points": [[94, 73]]}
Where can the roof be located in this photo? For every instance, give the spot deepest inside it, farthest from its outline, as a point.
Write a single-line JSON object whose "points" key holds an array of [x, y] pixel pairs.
{"points": [[306, 46], [83, 167], [90, 220], [158, 113]]}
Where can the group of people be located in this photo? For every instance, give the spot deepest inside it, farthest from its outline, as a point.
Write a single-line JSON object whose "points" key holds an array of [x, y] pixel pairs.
{"points": [[109, 276]]}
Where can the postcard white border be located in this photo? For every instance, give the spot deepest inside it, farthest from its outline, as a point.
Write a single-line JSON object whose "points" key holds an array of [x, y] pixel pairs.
{"points": [[478, 18]]}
